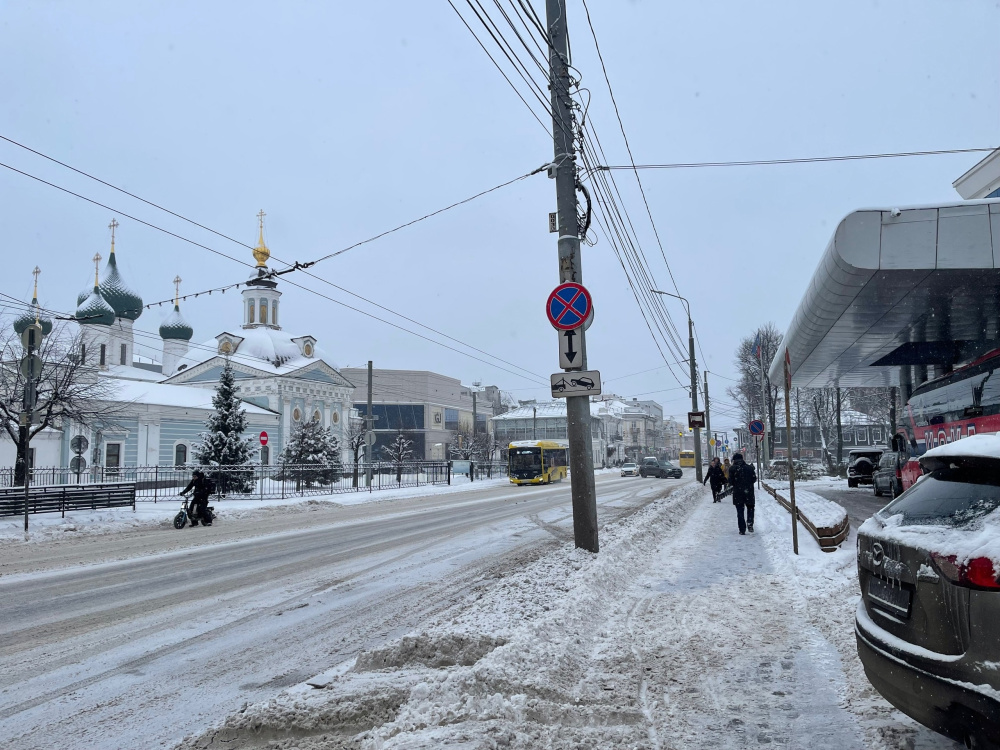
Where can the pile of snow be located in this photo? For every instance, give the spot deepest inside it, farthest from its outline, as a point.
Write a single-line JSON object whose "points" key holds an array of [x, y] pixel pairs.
{"points": [[821, 513]]}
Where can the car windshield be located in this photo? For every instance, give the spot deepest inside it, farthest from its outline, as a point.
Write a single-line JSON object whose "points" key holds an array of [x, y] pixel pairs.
{"points": [[650, 462], [956, 494], [628, 466]]}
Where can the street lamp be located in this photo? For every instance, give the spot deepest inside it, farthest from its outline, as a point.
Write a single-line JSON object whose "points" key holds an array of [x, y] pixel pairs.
{"points": [[694, 379]]}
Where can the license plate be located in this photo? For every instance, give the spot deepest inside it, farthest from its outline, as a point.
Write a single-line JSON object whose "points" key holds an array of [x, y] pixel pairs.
{"points": [[893, 597]]}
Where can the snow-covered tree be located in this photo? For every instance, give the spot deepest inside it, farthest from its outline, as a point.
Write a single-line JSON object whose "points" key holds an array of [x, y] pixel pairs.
{"points": [[468, 446], [398, 452], [312, 455], [356, 444], [224, 444]]}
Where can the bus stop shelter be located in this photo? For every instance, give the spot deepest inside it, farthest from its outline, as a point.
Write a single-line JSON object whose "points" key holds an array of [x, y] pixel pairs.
{"points": [[901, 295]]}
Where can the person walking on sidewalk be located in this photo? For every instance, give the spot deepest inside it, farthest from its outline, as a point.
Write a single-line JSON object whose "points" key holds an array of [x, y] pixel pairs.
{"points": [[726, 466], [717, 479], [743, 478]]}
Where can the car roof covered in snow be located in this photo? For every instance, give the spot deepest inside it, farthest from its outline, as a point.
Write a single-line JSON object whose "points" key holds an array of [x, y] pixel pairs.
{"points": [[974, 446]]}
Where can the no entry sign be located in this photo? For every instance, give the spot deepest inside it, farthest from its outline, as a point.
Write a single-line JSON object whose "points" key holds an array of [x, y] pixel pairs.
{"points": [[568, 306], [263, 438]]}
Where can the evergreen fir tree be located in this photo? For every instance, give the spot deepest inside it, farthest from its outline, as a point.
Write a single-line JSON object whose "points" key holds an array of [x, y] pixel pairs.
{"points": [[312, 456], [224, 444]]}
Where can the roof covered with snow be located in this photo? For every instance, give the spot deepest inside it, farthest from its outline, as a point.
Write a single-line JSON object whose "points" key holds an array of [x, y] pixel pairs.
{"points": [[896, 286], [181, 396], [974, 446]]}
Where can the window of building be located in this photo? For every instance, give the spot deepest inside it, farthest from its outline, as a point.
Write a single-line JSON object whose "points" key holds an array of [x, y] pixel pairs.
{"points": [[124, 351], [451, 419], [317, 417], [274, 313], [83, 354], [104, 354], [250, 312], [180, 454], [297, 414], [112, 455], [307, 350], [335, 417], [263, 311]]}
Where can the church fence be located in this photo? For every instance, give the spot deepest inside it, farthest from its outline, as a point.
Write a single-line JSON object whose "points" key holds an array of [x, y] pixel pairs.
{"points": [[163, 483]]}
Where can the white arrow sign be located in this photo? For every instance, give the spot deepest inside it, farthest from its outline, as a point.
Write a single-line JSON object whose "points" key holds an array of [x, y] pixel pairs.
{"points": [[570, 356], [585, 383]]}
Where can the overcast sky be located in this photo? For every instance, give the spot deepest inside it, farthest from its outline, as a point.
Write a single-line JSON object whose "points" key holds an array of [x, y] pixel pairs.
{"points": [[342, 120]]}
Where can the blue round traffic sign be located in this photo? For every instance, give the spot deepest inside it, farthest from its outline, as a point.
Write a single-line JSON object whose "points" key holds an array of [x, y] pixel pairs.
{"points": [[756, 427], [568, 306]]}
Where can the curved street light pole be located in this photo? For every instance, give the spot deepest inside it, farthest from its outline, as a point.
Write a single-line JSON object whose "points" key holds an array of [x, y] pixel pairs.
{"points": [[694, 380]]}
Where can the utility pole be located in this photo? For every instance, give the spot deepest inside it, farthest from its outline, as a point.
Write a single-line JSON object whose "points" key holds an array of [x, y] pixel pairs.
{"points": [[369, 425], [708, 423], [840, 434], [694, 382], [563, 170]]}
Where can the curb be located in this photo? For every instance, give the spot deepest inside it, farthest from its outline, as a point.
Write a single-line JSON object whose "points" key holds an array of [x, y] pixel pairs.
{"points": [[829, 538]]}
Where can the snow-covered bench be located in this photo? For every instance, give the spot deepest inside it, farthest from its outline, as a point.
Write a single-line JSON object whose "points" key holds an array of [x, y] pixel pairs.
{"points": [[826, 520]]}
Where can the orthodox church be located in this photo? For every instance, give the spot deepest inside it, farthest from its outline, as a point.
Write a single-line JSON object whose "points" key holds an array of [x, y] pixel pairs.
{"points": [[284, 378]]}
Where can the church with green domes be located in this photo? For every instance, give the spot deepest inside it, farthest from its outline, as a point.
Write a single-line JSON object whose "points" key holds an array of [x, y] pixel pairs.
{"points": [[284, 378]]}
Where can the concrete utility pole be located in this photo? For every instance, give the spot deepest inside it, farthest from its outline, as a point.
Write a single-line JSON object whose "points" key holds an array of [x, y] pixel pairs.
{"points": [[840, 434], [581, 460], [694, 381], [708, 424], [369, 424]]}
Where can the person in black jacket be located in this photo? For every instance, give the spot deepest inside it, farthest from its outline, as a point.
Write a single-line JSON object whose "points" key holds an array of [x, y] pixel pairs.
{"points": [[716, 476], [202, 488], [743, 478]]}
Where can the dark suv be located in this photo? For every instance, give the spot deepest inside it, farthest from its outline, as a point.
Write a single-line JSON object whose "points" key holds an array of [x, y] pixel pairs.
{"points": [[861, 463], [888, 476], [654, 467], [926, 624]]}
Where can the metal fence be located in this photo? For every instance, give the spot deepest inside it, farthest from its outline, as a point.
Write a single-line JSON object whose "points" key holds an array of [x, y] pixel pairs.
{"points": [[155, 483]]}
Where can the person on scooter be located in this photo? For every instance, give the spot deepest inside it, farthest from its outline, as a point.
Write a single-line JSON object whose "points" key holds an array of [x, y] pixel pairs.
{"points": [[202, 487]]}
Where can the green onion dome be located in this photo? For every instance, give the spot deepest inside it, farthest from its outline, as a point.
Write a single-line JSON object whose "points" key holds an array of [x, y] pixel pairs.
{"points": [[95, 311], [175, 327], [124, 301], [28, 317]]}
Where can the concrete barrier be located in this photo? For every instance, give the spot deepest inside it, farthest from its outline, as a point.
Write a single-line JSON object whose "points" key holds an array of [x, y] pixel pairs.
{"points": [[831, 525]]}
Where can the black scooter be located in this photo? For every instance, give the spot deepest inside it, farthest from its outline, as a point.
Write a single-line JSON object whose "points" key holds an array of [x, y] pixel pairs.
{"points": [[183, 516]]}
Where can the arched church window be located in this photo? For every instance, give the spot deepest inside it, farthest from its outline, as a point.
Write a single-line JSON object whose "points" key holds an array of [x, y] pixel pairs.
{"points": [[124, 352], [296, 414], [263, 311], [274, 313], [335, 417], [180, 454], [83, 354], [317, 417], [250, 312]]}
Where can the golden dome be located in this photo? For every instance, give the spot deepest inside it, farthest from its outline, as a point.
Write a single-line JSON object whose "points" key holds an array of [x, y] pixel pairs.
{"points": [[261, 253]]}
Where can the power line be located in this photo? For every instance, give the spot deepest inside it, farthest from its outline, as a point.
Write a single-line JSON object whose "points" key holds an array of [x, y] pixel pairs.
{"points": [[298, 266], [802, 160]]}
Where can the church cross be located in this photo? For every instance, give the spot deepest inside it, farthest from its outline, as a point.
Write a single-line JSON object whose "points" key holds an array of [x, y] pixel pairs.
{"points": [[97, 268], [260, 217], [177, 290], [113, 226]]}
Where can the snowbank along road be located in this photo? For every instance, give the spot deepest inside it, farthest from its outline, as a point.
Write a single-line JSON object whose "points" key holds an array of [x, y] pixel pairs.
{"points": [[137, 639]]}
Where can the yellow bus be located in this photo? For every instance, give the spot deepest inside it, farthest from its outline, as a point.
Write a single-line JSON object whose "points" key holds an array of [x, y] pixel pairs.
{"points": [[686, 459], [537, 461]]}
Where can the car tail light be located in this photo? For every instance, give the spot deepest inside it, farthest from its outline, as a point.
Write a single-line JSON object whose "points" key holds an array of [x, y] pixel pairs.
{"points": [[899, 472], [977, 573]]}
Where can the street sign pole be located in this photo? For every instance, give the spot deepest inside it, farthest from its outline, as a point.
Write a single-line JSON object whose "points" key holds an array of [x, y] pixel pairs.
{"points": [[791, 464], [564, 170]]}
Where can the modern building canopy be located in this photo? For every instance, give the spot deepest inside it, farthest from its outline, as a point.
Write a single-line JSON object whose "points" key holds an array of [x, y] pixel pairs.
{"points": [[896, 287]]}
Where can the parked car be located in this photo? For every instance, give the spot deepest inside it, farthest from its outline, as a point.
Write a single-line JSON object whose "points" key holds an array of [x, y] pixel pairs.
{"points": [[888, 476], [657, 467], [861, 463], [929, 570], [630, 470]]}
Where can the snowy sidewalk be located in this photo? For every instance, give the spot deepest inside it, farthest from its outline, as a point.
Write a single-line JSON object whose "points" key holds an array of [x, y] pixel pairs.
{"points": [[680, 634]]}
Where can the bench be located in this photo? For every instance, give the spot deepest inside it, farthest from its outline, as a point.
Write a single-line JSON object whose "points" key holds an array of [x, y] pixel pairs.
{"points": [[61, 498]]}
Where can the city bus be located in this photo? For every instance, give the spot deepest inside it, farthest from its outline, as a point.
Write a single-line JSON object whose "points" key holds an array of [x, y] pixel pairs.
{"points": [[686, 459], [537, 461], [962, 403]]}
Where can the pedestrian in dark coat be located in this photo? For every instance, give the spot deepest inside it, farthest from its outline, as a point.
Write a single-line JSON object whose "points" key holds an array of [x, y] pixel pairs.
{"points": [[743, 478], [717, 477], [202, 488]]}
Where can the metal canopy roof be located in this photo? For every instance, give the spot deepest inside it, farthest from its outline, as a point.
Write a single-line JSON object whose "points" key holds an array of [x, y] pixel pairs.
{"points": [[911, 286]]}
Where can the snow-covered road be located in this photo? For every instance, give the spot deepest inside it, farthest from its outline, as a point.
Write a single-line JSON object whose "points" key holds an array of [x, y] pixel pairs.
{"points": [[680, 634], [172, 634]]}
